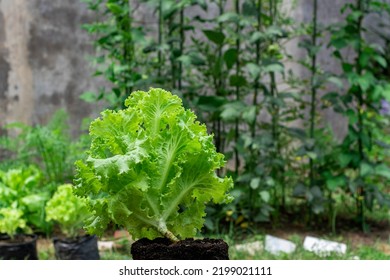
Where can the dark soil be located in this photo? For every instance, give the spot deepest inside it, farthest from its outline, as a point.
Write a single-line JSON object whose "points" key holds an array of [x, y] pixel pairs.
{"points": [[6, 240], [188, 249]]}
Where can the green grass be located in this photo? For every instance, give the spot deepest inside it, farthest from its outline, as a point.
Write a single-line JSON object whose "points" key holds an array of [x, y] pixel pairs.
{"points": [[115, 255], [354, 251], [46, 253], [361, 252]]}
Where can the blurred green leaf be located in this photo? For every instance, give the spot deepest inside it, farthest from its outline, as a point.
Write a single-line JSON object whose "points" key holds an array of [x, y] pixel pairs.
{"points": [[366, 169], [255, 183], [265, 196], [383, 170], [216, 37], [237, 81], [230, 57], [114, 8], [89, 97]]}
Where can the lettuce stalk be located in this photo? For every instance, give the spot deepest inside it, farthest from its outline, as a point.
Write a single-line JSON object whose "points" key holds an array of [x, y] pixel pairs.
{"points": [[151, 169]]}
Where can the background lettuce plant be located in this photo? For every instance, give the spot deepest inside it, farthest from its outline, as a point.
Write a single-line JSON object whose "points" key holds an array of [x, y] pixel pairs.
{"points": [[68, 210], [22, 199], [11, 221], [151, 169]]}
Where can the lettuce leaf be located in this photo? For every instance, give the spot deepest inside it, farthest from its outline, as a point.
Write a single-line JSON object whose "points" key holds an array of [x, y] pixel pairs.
{"points": [[151, 169]]}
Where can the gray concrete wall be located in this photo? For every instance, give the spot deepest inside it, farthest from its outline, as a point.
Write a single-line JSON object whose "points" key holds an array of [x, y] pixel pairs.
{"points": [[43, 64]]}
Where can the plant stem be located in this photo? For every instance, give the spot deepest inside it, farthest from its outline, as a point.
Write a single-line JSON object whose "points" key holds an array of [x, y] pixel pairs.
{"points": [[359, 95], [359, 91], [258, 58], [172, 56], [162, 228], [171, 236], [332, 213], [129, 51], [275, 132], [160, 38], [275, 109], [182, 40], [237, 124], [255, 154], [313, 87], [219, 85], [270, 2]]}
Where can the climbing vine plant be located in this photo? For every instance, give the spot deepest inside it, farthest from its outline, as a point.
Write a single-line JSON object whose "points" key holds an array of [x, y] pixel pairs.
{"points": [[230, 62]]}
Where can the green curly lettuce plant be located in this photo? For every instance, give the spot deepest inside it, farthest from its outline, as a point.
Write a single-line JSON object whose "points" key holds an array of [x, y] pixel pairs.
{"points": [[68, 210], [11, 221], [151, 169], [22, 191]]}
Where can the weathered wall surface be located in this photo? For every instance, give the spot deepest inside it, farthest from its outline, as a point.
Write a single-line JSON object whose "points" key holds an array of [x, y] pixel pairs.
{"points": [[43, 64]]}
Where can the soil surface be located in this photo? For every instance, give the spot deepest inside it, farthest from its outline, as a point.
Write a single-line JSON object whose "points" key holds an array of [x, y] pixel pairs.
{"points": [[18, 239], [188, 249]]}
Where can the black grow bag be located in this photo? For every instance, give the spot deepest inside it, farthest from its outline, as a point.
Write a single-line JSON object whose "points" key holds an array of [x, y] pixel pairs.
{"points": [[22, 247], [80, 248]]}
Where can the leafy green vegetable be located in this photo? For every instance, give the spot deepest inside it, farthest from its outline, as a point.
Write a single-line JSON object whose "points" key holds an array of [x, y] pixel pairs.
{"points": [[68, 210], [11, 219], [22, 189], [151, 169], [17, 183]]}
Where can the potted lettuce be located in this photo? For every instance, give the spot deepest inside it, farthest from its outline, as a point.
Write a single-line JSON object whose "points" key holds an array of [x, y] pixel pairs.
{"points": [[69, 212], [20, 205], [15, 241], [151, 169]]}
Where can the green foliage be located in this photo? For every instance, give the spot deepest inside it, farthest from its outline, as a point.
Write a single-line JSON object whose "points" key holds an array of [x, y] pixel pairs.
{"points": [[16, 183], [21, 190], [11, 221], [317, 144], [50, 147], [117, 58], [151, 168], [231, 69], [360, 105], [68, 210]]}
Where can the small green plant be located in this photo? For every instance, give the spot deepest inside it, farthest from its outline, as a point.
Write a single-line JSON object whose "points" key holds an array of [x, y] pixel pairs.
{"points": [[48, 146], [151, 169], [68, 210], [11, 221], [22, 199]]}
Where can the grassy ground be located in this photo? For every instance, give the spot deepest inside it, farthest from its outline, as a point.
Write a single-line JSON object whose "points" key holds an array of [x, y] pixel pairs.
{"points": [[377, 251], [372, 245], [374, 250]]}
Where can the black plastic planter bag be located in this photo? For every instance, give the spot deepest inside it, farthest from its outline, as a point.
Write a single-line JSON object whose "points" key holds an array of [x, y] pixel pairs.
{"points": [[81, 248], [24, 250]]}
